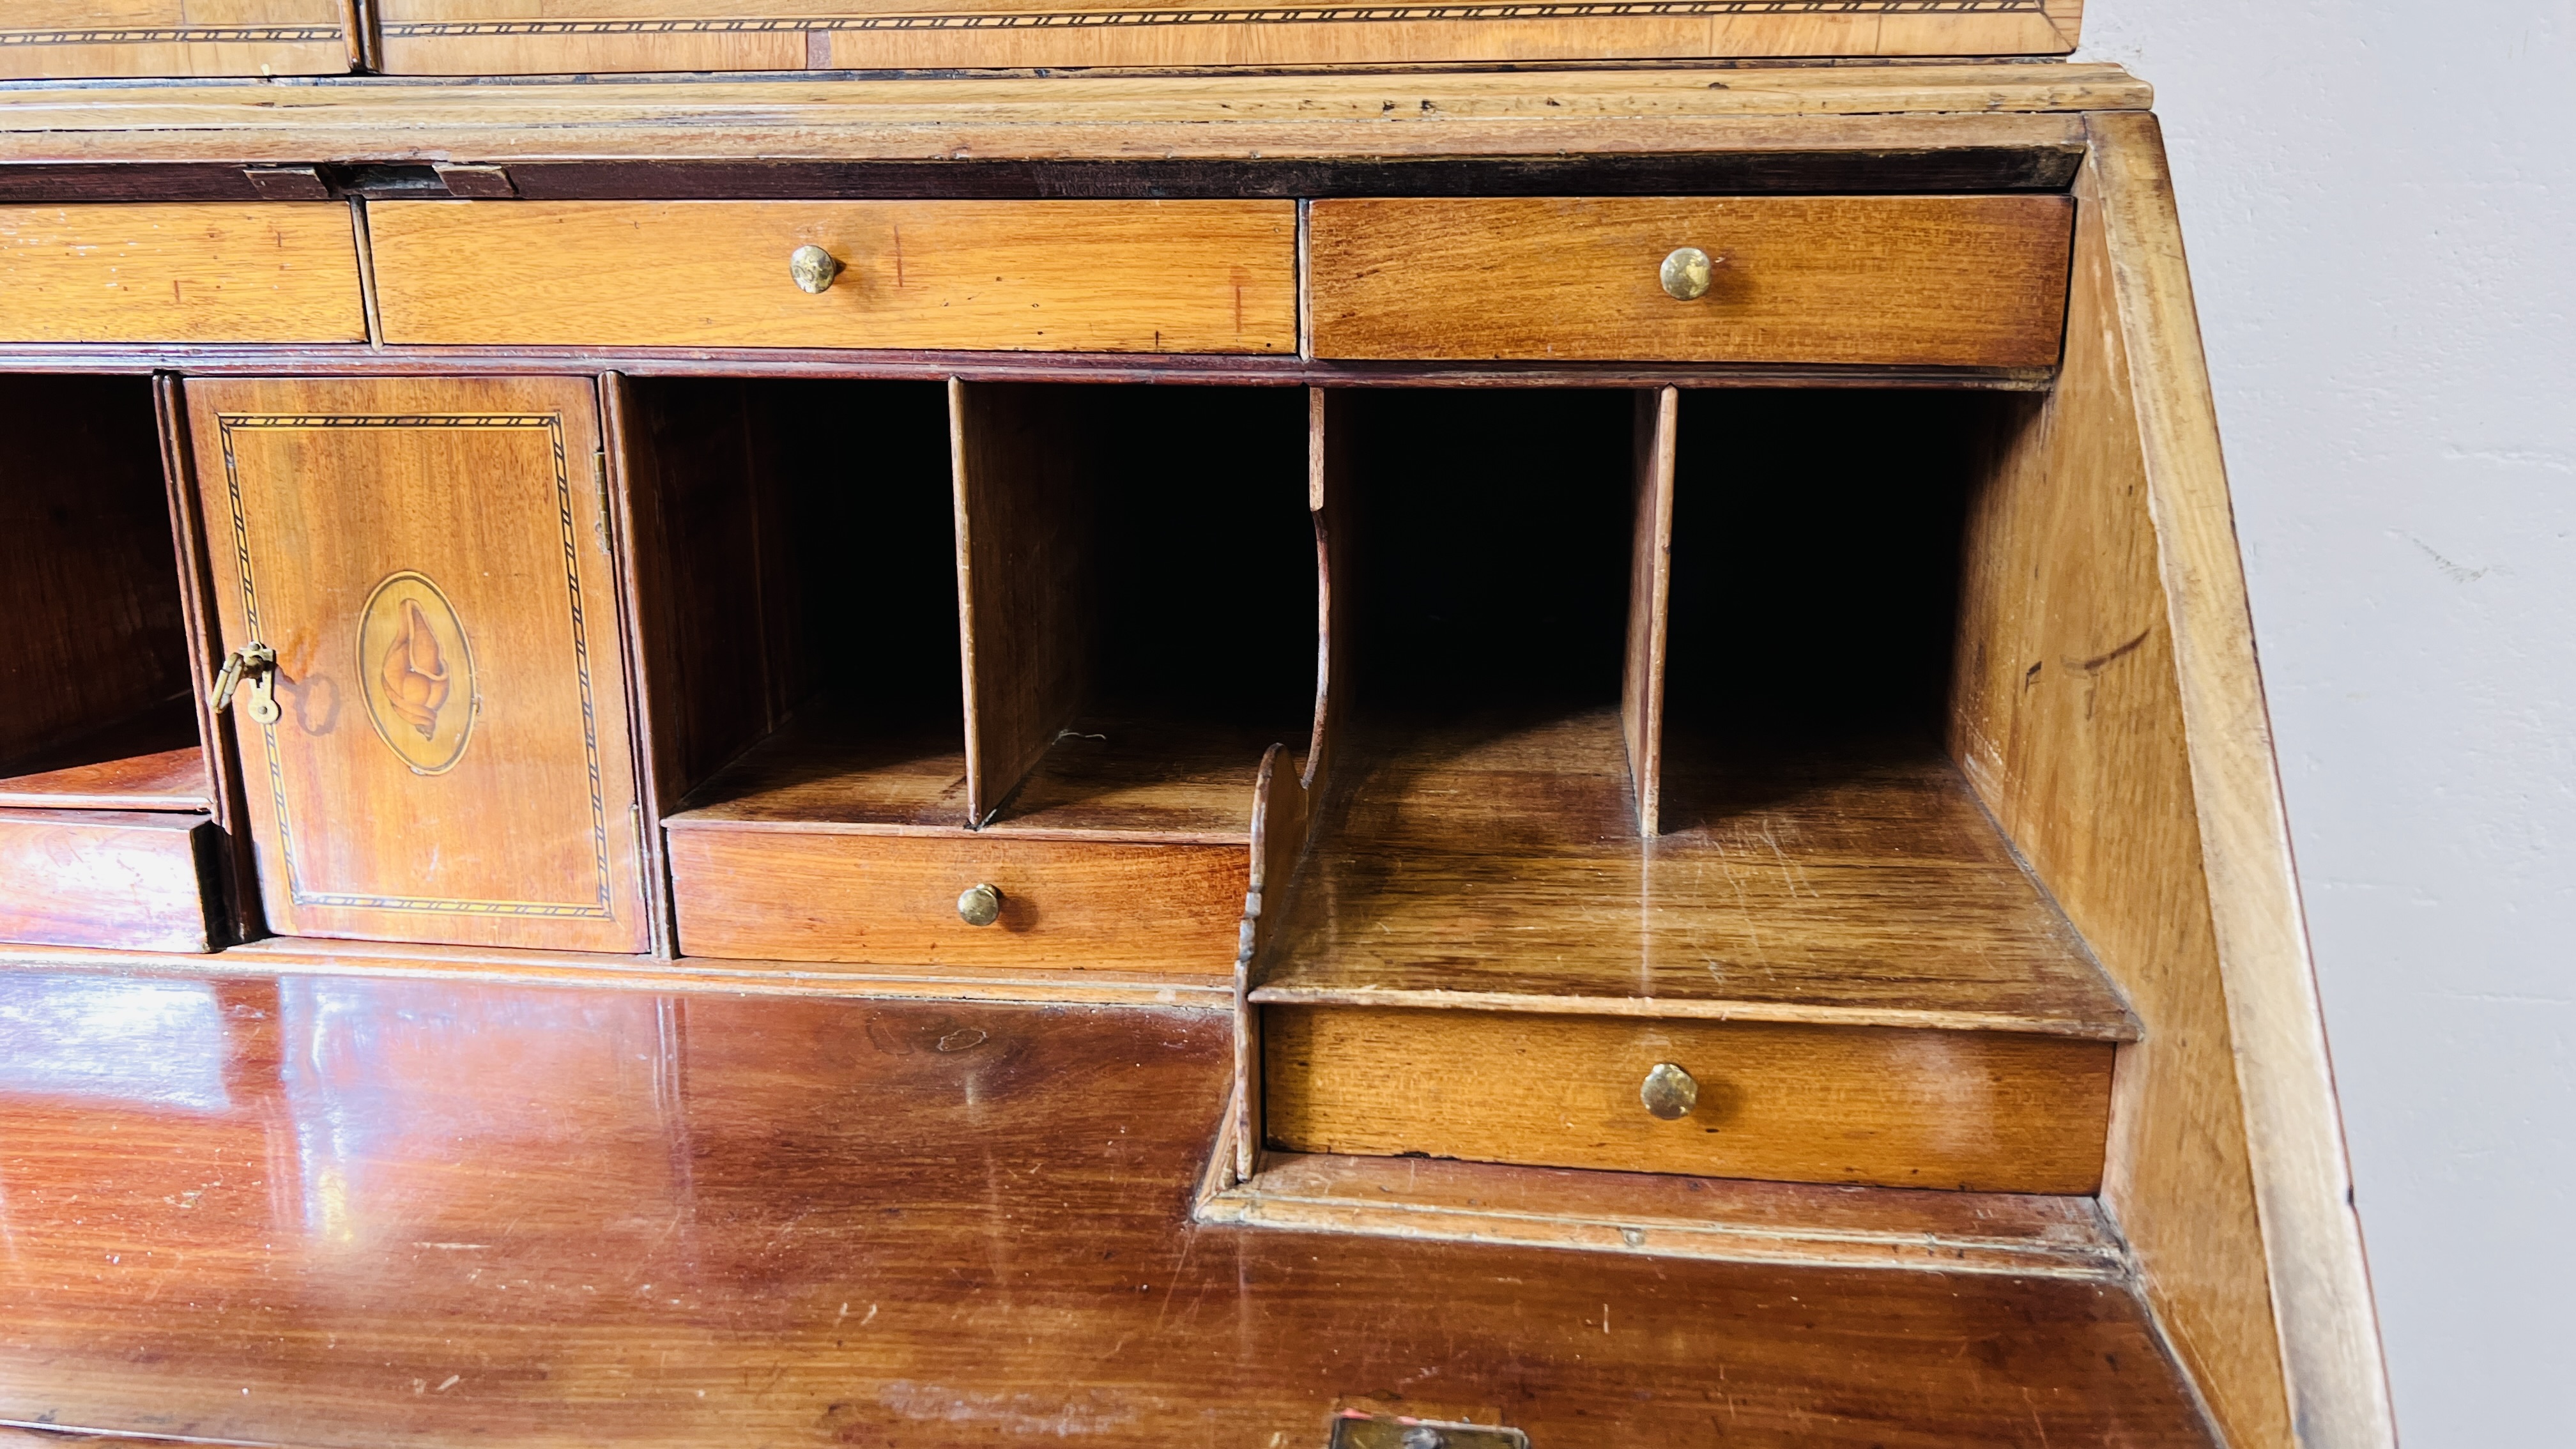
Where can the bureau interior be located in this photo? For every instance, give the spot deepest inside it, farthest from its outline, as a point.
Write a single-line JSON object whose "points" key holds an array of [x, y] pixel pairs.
{"points": [[899, 605], [93, 634], [1512, 808]]}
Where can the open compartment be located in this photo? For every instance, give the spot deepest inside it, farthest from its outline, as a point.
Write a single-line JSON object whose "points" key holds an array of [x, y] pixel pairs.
{"points": [[1645, 747], [991, 684], [105, 789]]}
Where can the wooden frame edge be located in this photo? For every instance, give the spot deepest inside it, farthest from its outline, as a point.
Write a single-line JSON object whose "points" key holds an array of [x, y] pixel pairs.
{"points": [[2329, 1339]]}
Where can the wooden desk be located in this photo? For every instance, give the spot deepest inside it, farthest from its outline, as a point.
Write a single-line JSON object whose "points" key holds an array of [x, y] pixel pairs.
{"points": [[1668, 639]]}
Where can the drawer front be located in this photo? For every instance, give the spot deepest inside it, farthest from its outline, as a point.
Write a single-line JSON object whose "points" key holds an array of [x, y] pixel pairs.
{"points": [[1041, 276], [127, 879], [1966, 281], [180, 272], [75, 39], [784, 895], [1898, 1107]]}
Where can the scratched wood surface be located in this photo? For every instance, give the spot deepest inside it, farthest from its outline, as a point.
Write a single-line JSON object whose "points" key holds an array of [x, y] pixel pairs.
{"points": [[112, 878], [1778, 1101], [1660, 111], [1055, 276], [499, 37], [1497, 862], [375, 1213], [64, 39], [180, 272]]}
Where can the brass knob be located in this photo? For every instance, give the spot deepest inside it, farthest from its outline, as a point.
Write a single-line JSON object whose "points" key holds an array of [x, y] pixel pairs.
{"points": [[1686, 274], [813, 268], [1670, 1093], [979, 905]]}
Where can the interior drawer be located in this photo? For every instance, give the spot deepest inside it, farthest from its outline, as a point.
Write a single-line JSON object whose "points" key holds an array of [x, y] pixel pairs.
{"points": [[1045, 276], [1900, 1107], [1965, 281], [130, 879], [185, 271], [751, 893]]}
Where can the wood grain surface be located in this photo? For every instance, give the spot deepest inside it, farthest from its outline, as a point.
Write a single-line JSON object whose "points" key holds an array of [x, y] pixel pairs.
{"points": [[806, 895], [1072, 276], [432, 564], [1926, 280], [2066, 717], [1498, 865], [1732, 1219], [63, 39], [1661, 111], [127, 879], [92, 625], [161, 780], [1650, 587], [502, 37], [932, 1223], [1789, 1102], [2329, 1343], [179, 272]]}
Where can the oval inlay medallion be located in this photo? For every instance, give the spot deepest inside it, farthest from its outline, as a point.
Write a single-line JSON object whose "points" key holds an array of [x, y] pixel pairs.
{"points": [[417, 672]]}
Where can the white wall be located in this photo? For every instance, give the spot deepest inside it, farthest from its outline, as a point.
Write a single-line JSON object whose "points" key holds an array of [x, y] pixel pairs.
{"points": [[2379, 199]]}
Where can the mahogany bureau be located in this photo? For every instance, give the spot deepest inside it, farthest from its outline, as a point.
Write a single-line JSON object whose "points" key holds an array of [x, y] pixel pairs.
{"points": [[1466, 708]]}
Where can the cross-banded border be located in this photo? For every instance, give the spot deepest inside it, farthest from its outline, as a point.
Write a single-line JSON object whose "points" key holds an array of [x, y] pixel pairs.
{"points": [[227, 424]]}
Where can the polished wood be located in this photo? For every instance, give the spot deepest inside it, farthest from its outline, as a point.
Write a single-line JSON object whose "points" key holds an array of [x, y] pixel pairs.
{"points": [[2328, 1347], [1024, 583], [179, 272], [1895, 280], [432, 563], [1785, 1101], [502, 37], [460, 1192], [1650, 587], [128, 879], [161, 780], [1734, 1219], [1088, 276], [2066, 716], [1495, 864], [64, 39], [835, 896], [1111, 778], [1666, 111], [91, 622]]}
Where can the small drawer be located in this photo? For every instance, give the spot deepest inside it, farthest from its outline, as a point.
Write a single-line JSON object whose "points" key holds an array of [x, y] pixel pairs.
{"points": [[1791, 1102], [180, 272], [1042, 276], [750, 893], [1950, 281], [129, 879]]}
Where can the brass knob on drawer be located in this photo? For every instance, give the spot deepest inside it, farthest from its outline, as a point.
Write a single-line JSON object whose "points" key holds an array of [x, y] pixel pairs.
{"points": [[1669, 1092], [1687, 274], [979, 905], [813, 268]]}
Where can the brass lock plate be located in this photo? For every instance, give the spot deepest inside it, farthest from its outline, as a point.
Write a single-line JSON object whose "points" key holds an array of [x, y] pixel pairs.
{"points": [[1355, 1430]]}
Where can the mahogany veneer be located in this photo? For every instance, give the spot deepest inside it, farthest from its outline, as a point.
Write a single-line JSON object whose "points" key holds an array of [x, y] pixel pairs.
{"points": [[407, 1211]]}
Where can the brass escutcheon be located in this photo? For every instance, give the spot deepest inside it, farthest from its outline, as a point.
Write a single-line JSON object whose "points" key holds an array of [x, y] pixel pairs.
{"points": [[1687, 274]]}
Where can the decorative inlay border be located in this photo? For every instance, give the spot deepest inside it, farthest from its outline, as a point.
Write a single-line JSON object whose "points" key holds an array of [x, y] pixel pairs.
{"points": [[1242, 15], [599, 908], [172, 35]]}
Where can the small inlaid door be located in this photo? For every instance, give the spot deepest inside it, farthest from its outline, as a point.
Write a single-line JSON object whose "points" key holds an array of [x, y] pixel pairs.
{"points": [[438, 751]]}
